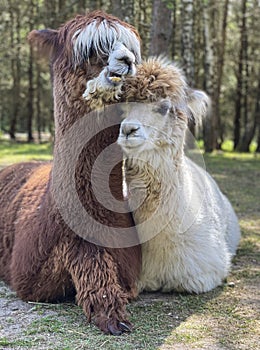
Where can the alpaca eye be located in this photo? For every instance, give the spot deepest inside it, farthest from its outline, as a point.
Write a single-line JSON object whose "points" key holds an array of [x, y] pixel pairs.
{"points": [[163, 107], [127, 60]]}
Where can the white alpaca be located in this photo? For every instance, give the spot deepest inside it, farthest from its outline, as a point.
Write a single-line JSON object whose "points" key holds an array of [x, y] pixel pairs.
{"points": [[188, 229]]}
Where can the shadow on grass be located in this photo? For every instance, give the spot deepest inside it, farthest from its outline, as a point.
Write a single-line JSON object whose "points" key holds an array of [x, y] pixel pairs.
{"points": [[156, 316], [221, 319]]}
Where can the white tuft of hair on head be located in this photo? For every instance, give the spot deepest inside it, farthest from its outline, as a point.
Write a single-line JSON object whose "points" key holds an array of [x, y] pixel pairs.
{"points": [[101, 38]]}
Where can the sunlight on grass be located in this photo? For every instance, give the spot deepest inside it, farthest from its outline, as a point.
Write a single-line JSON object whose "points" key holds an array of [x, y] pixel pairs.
{"points": [[23, 152], [228, 146], [251, 224], [225, 318]]}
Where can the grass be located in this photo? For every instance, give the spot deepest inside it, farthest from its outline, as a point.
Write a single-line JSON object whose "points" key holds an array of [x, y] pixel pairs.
{"points": [[225, 318], [23, 152]]}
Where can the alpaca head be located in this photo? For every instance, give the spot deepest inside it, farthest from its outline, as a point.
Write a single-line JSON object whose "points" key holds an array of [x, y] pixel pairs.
{"points": [[160, 119], [89, 55], [97, 39], [145, 127]]}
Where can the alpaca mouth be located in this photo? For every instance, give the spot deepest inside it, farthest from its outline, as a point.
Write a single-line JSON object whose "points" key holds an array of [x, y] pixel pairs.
{"points": [[133, 142], [114, 78]]}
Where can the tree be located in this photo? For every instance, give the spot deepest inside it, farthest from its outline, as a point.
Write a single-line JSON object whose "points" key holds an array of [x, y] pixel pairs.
{"points": [[187, 52], [210, 123], [30, 101], [187, 40], [15, 28], [174, 29], [257, 115], [220, 68], [239, 76], [216, 43], [123, 9], [250, 91], [161, 29]]}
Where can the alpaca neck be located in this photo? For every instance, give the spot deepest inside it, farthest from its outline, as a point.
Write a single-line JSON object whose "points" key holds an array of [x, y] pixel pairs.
{"points": [[83, 171], [156, 172]]}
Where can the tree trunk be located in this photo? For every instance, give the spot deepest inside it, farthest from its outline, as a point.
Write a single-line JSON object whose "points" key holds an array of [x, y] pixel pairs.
{"points": [[30, 109], [250, 128], [161, 29], [251, 93], [15, 67], [116, 9], [257, 118], [81, 5], [221, 61], [142, 21], [187, 51], [94, 4], [239, 90], [50, 18], [38, 102], [258, 128], [187, 40], [174, 28], [123, 9], [210, 124]]}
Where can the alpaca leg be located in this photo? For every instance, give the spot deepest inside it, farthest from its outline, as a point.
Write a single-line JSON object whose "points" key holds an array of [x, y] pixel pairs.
{"points": [[47, 281], [12, 179], [98, 291]]}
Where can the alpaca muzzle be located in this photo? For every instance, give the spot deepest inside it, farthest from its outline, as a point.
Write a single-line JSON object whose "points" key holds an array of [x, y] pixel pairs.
{"points": [[121, 62], [131, 135], [130, 130]]}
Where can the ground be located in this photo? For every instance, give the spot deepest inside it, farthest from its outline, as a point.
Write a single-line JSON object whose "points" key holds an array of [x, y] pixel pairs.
{"points": [[226, 318]]}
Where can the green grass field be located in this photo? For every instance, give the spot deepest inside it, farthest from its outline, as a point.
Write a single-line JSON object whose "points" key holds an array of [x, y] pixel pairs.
{"points": [[23, 152], [226, 318]]}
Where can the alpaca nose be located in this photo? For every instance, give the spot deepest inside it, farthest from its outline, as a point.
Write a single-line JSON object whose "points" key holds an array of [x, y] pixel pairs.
{"points": [[128, 60], [129, 129], [121, 61]]}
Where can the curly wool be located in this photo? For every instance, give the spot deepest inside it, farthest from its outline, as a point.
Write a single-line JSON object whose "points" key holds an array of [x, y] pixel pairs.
{"points": [[41, 258], [188, 228], [156, 78]]}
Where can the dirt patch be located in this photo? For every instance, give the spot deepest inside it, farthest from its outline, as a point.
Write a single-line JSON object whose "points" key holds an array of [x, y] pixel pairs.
{"points": [[17, 317]]}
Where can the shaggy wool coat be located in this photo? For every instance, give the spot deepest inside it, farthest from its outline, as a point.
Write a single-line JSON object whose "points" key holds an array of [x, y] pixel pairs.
{"points": [[188, 228], [41, 258]]}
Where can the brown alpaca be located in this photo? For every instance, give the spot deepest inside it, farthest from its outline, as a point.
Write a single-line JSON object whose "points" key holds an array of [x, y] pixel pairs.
{"points": [[41, 258]]}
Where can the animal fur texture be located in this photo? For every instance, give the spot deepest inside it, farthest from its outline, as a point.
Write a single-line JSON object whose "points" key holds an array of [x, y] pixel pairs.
{"points": [[41, 258], [188, 229]]}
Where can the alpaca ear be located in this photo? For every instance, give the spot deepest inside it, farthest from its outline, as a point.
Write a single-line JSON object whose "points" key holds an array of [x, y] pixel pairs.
{"points": [[44, 41], [163, 106], [198, 105]]}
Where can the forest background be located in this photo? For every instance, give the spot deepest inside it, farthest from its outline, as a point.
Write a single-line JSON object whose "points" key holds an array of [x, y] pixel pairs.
{"points": [[216, 43]]}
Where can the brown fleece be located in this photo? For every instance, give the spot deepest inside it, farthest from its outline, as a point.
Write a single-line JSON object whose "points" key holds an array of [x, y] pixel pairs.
{"points": [[41, 258]]}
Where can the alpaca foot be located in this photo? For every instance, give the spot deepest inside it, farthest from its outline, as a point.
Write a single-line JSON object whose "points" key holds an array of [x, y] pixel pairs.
{"points": [[114, 327], [119, 327], [125, 327]]}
